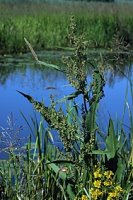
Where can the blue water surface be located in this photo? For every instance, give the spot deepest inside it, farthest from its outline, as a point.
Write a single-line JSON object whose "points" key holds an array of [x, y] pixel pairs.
{"points": [[40, 83]]}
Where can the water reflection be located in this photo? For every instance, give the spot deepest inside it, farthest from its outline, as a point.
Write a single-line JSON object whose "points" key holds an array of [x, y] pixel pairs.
{"points": [[116, 67], [21, 73]]}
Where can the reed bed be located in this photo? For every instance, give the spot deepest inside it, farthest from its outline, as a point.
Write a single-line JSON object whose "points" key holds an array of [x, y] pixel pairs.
{"points": [[46, 24]]}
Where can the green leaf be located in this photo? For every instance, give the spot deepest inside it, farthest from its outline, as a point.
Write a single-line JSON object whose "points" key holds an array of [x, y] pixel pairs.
{"points": [[120, 169], [73, 95], [70, 192], [111, 141], [62, 162], [49, 65], [56, 169], [99, 152], [91, 118], [36, 57]]}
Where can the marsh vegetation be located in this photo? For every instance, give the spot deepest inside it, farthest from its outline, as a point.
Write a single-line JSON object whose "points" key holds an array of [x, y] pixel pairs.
{"points": [[91, 164], [45, 24]]}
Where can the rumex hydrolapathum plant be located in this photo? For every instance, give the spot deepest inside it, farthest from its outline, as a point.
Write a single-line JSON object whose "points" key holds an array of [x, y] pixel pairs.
{"points": [[76, 72], [79, 140]]}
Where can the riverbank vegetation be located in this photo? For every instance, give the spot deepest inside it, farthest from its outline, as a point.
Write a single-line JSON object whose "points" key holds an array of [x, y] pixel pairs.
{"points": [[45, 24], [88, 163]]}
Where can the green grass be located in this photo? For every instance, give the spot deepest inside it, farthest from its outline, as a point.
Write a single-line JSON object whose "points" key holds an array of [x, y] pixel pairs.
{"points": [[45, 25]]}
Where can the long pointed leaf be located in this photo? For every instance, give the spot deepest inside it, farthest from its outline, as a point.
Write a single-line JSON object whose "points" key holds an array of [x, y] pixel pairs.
{"points": [[111, 141], [37, 60]]}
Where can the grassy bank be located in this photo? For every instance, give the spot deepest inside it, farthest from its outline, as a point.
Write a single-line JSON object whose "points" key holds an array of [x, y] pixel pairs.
{"points": [[45, 25]]}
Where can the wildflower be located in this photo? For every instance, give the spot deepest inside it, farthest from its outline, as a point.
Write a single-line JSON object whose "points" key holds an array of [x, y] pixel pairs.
{"points": [[107, 183], [97, 183], [84, 197], [95, 193], [97, 174], [108, 174], [118, 189], [109, 198], [112, 195], [115, 193]]}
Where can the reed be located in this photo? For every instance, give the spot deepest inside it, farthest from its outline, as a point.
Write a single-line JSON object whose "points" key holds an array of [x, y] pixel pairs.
{"points": [[45, 25]]}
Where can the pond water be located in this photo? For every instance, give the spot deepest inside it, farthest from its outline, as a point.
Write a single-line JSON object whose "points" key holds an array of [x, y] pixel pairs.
{"points": [[21, 73]]}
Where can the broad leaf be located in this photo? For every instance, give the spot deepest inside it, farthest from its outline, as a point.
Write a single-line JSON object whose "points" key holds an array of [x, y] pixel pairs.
{"points": [[57, 170], [111, 141]]}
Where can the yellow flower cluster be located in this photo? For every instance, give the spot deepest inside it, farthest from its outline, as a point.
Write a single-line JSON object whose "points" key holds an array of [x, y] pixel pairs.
{"points": [[97, 183], [95, 193], [103, 186], [84, 197], [107, 183], [115, 194], [108, 174], [97, 174]]}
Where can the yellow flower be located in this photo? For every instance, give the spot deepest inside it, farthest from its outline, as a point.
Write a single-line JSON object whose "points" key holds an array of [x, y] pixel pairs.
{"points": [[109, 198], [108, 174], [116, 193], [118, 189], [112, 194], [107, 183], [97, 183], [97, 174], [84, 197], [95, 193]]}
